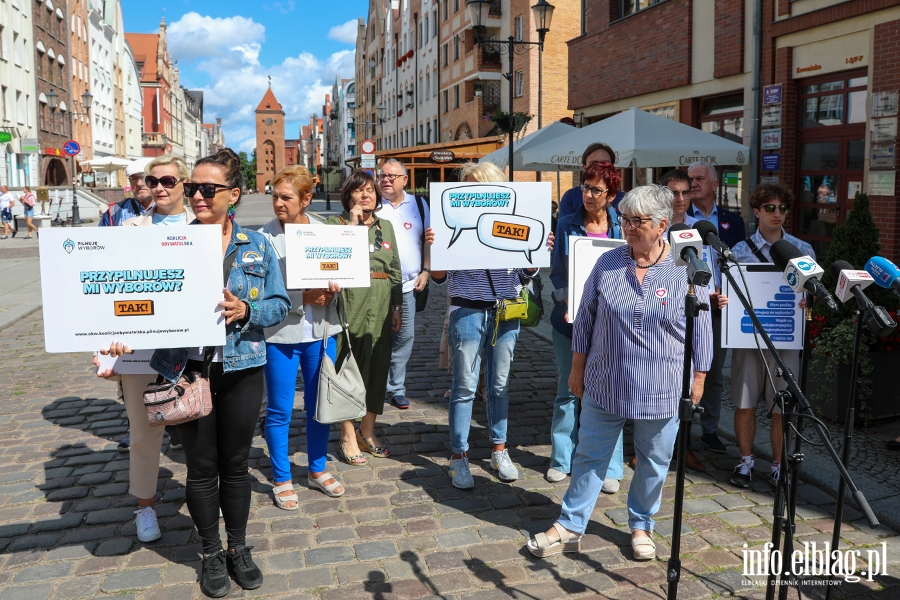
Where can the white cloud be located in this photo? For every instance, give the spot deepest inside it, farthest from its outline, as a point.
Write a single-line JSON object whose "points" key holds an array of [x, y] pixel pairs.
{"points": [[345, 33], [227, 51]]}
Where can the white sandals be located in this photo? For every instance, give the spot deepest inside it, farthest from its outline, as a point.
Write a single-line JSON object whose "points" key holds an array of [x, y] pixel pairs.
{"points": [[280, 501], [328, 490], [644, 548], [541, 546]]}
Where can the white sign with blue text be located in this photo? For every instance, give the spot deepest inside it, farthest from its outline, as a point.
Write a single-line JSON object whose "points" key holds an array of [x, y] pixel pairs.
{"points": [[318, 254], [776, 305], [490, 225]]}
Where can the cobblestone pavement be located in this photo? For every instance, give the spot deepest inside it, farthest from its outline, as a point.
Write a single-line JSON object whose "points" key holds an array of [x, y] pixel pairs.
{"points": [[400, 531]]}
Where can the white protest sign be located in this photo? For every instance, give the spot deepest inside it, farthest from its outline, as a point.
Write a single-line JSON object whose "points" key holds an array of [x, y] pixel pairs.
{"points": [[136, 363], [775, 304], [584, 252], [148, 287], [317, 254], [490, 225]]}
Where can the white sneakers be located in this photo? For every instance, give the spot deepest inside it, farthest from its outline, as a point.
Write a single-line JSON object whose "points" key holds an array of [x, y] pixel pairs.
{"points": [[147, 527]]}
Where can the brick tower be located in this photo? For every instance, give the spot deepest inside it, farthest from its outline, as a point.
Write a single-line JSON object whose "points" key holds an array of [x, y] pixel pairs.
{"points": [[269, 139]]}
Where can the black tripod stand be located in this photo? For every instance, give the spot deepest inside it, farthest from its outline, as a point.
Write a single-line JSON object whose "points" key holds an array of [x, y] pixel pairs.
{"points": [[786, 490], [686, 410]]}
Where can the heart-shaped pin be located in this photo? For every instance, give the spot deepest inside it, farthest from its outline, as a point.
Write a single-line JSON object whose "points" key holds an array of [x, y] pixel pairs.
{"points": [[407, 226]]}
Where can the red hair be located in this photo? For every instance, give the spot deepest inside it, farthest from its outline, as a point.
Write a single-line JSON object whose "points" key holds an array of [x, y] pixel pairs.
{"points": [[608, 173]]}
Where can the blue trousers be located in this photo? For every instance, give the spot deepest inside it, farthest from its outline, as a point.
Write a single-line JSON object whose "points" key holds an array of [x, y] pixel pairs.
{"points": [[282, 361]]}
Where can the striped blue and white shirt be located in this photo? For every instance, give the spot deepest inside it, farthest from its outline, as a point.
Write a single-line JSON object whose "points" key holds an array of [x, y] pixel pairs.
{"points": [[474, 284], [633, 336]]}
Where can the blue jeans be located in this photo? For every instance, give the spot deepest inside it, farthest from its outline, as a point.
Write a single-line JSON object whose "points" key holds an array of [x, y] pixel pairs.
{"points": [[471, 332], [402, 347], [282, 361], [654, 441], [564, 428]]}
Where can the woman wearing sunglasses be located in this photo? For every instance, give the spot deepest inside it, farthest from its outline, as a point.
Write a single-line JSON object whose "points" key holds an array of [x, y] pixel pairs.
{"points": [[217, 446], [144, 442], [297, 343], [372, 312]]}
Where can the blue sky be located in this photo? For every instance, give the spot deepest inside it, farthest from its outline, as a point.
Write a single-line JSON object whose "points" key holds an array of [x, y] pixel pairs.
{"points": [[228, 48]]}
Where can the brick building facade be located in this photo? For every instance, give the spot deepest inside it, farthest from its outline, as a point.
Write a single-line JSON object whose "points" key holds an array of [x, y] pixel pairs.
{"points": [[51, 68], [155, 68], [79, 76]]}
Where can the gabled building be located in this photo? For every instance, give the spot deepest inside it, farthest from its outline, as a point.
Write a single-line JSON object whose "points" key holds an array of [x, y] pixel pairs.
{"points": [[155, 67], [269, 139]]}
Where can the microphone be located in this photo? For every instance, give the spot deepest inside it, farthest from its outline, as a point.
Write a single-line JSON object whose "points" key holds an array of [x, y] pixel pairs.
{"points": [[850, 283], [710, 236], [800, 272], [884, 272], [687, 248]]}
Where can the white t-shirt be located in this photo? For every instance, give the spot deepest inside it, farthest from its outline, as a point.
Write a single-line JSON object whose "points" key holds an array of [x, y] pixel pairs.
{"points": [[6, 199], [408, 228]]}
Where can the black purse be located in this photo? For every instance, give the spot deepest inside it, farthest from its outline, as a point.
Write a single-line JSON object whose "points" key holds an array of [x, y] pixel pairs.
{"points": [[422, 296]]}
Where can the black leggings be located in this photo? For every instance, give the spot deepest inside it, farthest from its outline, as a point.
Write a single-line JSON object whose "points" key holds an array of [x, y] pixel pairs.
{"points": [[216, 449]]}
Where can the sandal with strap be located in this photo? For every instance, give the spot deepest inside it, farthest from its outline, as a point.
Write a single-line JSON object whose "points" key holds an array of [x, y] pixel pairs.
{"points": [[644, 548], [377, 451], [328, 490], [541, 546], [356, 459], [280, 501]]}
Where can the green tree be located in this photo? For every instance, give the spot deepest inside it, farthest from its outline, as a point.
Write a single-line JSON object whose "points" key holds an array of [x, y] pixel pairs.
{"points": [[248, 168]]}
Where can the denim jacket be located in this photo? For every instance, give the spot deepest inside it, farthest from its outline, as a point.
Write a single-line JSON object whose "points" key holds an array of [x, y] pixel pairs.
{"points": [[571, 225], [256, 279]]}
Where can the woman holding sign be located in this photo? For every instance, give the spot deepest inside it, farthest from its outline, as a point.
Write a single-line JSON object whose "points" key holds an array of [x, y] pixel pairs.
{"points": [[217, 446], [628, 356], [595, 218], [372, 312], [297, 343], [476, 331], [144, 442]]}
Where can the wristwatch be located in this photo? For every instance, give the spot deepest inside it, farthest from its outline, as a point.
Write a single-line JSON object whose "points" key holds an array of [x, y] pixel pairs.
{"points": [[397, 308], [426, 270]]}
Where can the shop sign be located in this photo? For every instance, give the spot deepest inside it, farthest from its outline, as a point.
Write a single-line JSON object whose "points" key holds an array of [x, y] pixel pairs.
{"points": [[442, 156], [53, 152], [367, 163], [884, 104], [769, 180], [881, 157], [772, 94], [30, 145], [5, 137], [771, 162], [771, 139], [771, 116], [882, 183], [884, 130]]}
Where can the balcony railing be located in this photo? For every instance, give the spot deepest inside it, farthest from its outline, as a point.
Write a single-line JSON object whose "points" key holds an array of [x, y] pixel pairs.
{"points": [[154, 140]]}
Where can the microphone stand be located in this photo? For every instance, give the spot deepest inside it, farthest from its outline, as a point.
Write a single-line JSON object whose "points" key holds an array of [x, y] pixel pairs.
{"points": [[786, 480], [686, 410]]}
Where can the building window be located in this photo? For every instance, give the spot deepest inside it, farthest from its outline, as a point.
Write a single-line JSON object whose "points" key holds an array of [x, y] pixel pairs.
{"points": [[446, 102], [445, 52], [434, 24], [427, 86], [723, 116], [518, 29], [456, 96], [455, 5], [39, 67], [5, 106], [446, 4], [520, 83], [583, 17], [629, 7], [424, 31], [456, 47], [419, 37]]}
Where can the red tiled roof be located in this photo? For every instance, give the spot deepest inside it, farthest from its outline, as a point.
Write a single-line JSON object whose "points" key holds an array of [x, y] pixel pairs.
{"points": [[144, 46], [268, 102]]}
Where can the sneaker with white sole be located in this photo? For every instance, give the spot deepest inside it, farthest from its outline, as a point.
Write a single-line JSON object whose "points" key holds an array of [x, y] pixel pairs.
{"points": [[742, 474], [554, 475], [147, 527], [460, 476], [504, 465], [610, 486]]}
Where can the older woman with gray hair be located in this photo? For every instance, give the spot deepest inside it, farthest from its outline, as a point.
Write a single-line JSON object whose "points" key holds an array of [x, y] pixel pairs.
{"points": [[628, 355]]}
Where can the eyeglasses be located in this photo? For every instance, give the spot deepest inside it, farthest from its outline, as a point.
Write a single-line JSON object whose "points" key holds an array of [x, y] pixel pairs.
{"points": [[770, 208], [167, 181], [389, 176], [633, 222], [678, 193], [593, 191], [207, 190], [379, 239]]}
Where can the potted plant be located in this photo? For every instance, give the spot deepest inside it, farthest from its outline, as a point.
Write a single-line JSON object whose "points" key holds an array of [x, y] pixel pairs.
{"points": [[514, 122], [855, 241]]}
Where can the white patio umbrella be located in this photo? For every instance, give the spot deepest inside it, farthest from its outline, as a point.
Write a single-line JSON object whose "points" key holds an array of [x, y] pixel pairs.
{"points": [[639, 139], [107, 164], [500, 156]]}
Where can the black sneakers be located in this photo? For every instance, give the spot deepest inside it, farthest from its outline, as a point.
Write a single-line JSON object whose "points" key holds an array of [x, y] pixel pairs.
{"points": [[742, 475], [214, 580], [243, 569]]}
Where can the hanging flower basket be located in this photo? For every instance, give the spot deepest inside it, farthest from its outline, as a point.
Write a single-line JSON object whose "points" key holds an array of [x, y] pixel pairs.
{"points": [[400, 113], [409, 54], [399, 62], [510, 122]]}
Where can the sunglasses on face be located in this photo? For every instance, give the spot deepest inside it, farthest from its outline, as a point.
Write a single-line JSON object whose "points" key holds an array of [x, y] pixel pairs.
{"points": [[167, 181], [207, 190], [593, 191], [770, 208]]}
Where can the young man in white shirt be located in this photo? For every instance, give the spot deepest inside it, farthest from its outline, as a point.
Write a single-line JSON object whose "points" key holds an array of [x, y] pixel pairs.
{"points": [[7, 201], [410, 218]]}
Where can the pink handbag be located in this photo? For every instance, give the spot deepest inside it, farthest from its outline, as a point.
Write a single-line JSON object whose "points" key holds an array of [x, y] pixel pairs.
{"points": [[170, 403]]}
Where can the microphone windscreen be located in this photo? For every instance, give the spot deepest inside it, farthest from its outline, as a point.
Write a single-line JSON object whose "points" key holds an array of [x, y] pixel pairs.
{"points": [[837, 267], [704, 228], [782, 252]]}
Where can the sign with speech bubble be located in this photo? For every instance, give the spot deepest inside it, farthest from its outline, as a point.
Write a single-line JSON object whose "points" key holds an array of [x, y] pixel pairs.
{"points": [[491, 225]]}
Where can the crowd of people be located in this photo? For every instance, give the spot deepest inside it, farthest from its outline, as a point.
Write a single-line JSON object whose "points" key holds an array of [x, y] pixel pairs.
{"points": [[620, 360]]}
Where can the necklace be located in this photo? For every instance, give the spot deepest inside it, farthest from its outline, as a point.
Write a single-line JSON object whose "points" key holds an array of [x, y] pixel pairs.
{"points": [[658, 258]]}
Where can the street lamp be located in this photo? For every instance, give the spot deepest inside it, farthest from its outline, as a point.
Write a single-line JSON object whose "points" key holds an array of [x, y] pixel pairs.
{"points": [[478, 15], [87, 99]]}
